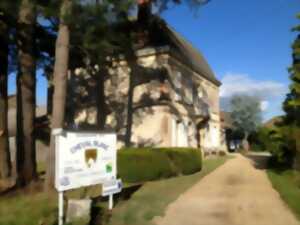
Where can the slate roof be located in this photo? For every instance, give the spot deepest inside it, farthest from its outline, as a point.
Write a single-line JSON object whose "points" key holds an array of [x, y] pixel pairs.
{"points": [[161, 34], [191, 56]]}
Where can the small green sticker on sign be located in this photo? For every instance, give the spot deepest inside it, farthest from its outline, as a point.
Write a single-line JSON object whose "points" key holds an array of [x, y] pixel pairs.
{"points": [[109, 168]]}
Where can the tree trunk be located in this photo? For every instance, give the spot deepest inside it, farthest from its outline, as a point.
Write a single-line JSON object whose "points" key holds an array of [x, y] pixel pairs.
{"points": [[5, 163], [144, 16], [100, 101], [26, 101], [245, 142], [132, 75], [50, 91], [60, 87]]}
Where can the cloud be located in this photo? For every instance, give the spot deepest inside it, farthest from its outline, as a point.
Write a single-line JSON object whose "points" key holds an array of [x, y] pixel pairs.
{"points": [[264, 105], [270, 92], [243, 84]]}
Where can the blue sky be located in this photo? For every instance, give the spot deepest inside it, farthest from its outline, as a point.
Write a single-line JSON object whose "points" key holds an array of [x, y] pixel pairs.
{"points": [[247, 44]]}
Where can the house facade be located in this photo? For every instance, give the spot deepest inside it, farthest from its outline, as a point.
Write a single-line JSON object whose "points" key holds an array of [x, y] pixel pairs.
{"points": [[165, 96]]}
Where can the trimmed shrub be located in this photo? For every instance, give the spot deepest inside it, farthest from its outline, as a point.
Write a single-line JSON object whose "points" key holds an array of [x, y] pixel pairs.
{"points": [[145, 164], [186, 160], [138, 165], [222, 153]]}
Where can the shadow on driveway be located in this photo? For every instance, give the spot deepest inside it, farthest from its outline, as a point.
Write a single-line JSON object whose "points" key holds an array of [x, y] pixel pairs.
{"points": [[259, 159]]}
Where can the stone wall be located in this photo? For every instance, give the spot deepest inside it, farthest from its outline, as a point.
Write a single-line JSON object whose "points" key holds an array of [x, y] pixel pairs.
{"points": [[164, 108]]}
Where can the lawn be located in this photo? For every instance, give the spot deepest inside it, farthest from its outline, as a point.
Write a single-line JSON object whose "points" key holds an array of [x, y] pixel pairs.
{"points": [[147, 202], [287, 183], [152, 198], [28, 209]]}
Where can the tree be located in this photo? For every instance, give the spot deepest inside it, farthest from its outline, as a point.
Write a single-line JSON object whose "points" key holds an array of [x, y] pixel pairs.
{"points": [[245, 112], [91, 47], [5, 164], [60, 84], [26, 86], [164, 4], [292, 103]]}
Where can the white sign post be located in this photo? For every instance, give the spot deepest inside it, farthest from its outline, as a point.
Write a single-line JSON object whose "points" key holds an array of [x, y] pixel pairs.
{"points": [[84, 159], [110, 188], [60, 208]]}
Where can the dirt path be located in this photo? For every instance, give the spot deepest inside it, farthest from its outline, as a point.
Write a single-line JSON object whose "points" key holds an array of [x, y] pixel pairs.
{"points": [[235, 194]]}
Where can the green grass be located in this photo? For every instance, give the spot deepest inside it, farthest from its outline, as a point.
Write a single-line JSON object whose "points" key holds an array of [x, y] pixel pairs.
{"points": [[287, 183], [27, 210], [149, 201], [153, 198]]}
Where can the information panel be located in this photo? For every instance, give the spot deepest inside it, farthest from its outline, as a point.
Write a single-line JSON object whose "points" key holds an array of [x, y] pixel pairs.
{"points": [[84, 159]]}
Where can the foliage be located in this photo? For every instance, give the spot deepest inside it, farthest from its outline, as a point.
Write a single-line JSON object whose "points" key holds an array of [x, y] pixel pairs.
{"points": [[292, 102], [245, 112], [193, 4], [288, 186], [277, 140], [283, 145], [235, 134], [138, 165], [144, 164], [288, 132], [186, 160], [259, 140]]}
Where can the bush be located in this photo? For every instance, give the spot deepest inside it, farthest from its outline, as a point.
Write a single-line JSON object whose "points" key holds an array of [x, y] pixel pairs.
{"points": [[259, 140], [145, 164], [279, 140], [136, 165], [222, 153], [186, 160]]}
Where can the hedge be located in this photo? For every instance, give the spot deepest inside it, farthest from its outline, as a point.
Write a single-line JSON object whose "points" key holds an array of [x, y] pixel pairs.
{"points": [[146, 164], [186, 160]]}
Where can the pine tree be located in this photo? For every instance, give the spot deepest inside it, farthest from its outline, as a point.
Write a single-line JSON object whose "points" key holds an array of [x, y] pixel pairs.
{"points": [[5, 164], [292, 102], [60, 84], [26, 99]]}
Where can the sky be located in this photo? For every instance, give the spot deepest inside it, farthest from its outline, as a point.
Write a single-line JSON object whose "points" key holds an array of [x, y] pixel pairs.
{"points": [[246, 43]]}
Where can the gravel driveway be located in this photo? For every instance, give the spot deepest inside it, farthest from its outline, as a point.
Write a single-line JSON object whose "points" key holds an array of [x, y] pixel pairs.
{"points": [[237, 193]]}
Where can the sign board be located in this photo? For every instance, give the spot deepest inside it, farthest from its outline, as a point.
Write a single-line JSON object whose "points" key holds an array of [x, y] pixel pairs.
{"points": [[112, 187], [84, 159]]}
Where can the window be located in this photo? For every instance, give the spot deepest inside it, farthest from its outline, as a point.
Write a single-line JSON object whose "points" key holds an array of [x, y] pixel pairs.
{"points": [[177, 79], [200, 92], [188, 91]]}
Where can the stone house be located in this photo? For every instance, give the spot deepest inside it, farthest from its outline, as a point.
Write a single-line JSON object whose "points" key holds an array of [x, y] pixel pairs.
{"points": [[173, 102]]}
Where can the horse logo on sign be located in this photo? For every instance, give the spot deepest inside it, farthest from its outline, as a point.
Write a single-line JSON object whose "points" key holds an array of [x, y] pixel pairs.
{"points": [[90, 157]]}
